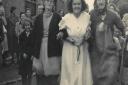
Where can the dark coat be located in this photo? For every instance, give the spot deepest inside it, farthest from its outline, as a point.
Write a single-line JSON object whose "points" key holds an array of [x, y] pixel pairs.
{"points": [[103, 50], [1, 31], [11, 35], [54, 45], [25, 65]]}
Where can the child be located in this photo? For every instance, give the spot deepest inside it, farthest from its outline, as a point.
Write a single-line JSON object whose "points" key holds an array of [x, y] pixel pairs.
{"points": [[25, 62]]}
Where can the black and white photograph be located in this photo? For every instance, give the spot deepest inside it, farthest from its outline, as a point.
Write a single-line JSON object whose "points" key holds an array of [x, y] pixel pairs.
{"points": [[63, 42]]}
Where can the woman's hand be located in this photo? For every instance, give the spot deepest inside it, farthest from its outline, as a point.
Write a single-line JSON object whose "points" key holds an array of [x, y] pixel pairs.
{"points": [[88, 33], [60, 35]]}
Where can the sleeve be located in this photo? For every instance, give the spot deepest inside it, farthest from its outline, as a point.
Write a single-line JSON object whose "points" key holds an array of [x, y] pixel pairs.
{"points": [[119, 24], [62, 26], [16, 29], [21, 43], [34, 38]]}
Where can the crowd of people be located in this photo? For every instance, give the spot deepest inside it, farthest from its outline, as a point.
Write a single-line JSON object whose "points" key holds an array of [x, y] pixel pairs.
{"points": [[76, 48]]}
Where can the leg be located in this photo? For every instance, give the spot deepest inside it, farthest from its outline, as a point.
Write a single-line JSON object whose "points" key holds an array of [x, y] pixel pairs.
{"points": [[53, 80], [24, 79], [47, 80], [29, 78], [109, 72]]}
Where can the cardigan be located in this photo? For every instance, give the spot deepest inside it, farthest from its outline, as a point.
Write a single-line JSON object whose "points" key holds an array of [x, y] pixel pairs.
{"points": [[54, 45]]}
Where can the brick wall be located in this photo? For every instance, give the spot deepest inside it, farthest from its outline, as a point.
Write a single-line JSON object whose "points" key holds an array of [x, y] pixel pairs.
{"points": [[19, 4]]}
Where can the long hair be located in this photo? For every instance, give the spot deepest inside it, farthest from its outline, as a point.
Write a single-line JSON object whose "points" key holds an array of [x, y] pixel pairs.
{"points": [[83, 8]]}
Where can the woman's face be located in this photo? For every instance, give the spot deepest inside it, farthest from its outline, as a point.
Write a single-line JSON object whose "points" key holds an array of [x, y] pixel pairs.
{"points": [[49, 4], [101, 4], [23, 17], [28, 13], [76, 5]]}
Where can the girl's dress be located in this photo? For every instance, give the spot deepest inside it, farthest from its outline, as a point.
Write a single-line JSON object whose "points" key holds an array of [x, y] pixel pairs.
{"points": [[76, 68]]}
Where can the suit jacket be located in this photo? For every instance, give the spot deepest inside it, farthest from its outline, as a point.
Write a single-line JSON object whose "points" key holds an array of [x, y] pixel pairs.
{"points": [[54, 45]]}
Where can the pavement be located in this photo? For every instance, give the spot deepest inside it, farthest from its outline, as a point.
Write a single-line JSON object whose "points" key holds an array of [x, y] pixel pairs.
{"points": [[9, 76]]}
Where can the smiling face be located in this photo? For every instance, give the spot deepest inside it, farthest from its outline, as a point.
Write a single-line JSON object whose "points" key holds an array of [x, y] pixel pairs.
{"points": [[23, 17], [49, 4], [76, 6], [28, 13]]}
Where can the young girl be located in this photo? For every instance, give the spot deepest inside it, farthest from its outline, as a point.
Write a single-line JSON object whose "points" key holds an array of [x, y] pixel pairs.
{"points": [[25, 63]]}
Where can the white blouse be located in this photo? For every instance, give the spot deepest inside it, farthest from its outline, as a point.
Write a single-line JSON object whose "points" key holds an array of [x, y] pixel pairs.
{"points": [[76, 27]]}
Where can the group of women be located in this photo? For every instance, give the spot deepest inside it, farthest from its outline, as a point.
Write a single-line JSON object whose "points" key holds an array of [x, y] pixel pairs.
{"points": [[67, 37], [59, 46]]}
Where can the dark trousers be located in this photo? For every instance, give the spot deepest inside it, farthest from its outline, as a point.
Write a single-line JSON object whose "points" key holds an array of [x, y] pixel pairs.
{"points": [[26, 79], [47, 80]]}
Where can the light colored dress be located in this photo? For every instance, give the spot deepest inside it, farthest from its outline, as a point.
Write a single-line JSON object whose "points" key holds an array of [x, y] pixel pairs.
{"points": [[76, 68]]}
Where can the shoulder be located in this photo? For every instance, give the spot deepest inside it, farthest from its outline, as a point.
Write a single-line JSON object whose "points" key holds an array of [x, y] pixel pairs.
{"points": [[57, 16], [113, 16], [85, 14], [93, 15], [93, 12], [40, 16], [68, 15]]}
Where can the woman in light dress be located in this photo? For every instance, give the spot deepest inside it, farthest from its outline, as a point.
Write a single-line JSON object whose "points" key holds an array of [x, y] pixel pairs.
{"points": [[74, 30]]}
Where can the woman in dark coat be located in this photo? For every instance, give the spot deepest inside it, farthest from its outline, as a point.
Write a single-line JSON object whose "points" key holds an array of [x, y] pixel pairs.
{"points": [[103, 49], [11, 35], [47, 49], [25, 62]]}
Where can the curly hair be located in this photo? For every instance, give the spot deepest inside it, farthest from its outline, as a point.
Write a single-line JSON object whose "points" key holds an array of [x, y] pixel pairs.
{"points": [[84, 6]]}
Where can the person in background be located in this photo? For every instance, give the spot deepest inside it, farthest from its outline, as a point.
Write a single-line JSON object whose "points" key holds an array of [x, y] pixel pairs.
{"points": [[25, 62], [125, 57], [3, 31], [2, 23], [11, 35], [40, 10], [103, 50], [114, 8], [19, 25], [61, 12], [74, 31], [19, 29], [28, 14], [47, 49]]}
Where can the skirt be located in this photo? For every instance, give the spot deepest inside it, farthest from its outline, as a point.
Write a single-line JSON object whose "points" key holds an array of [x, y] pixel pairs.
{"points": [[75, 71], [47, 66]]}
